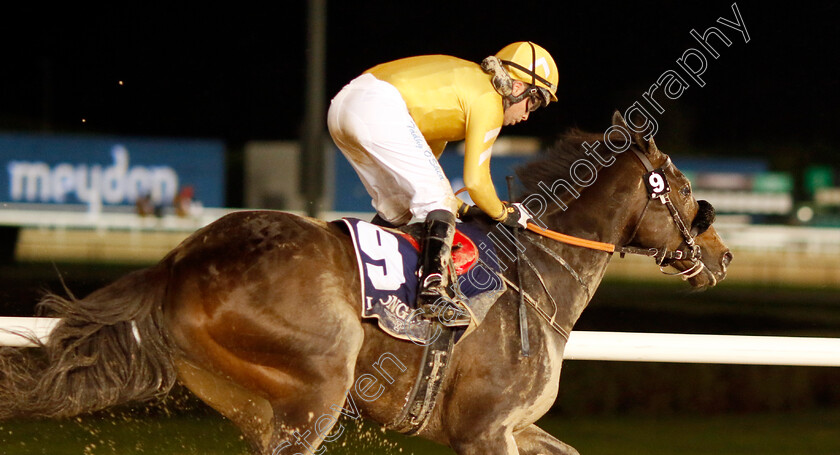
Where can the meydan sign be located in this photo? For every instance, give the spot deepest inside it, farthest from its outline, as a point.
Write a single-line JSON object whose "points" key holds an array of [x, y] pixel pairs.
{"points": [[114, 184], [108, 171]]}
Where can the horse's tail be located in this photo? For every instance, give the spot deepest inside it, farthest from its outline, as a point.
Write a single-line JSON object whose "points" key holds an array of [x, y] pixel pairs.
{"points": [[110, 347]]}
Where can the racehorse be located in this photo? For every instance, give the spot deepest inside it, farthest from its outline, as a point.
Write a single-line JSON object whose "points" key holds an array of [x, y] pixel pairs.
{"points": [[258, 314]]}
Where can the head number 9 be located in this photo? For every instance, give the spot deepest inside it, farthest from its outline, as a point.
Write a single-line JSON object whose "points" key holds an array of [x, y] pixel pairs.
{"points": [[656, 183]]}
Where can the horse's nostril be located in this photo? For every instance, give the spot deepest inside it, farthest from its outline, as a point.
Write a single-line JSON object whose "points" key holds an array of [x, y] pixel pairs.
{"points": [[727, 258]]}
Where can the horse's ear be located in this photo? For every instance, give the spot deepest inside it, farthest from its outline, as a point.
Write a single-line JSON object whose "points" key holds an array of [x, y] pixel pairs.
{"points": [[652, 148], [618, 120], [647, 146]]}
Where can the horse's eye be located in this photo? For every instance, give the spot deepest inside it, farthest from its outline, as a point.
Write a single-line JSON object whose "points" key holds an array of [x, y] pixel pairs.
{"points": [[685, 191]]}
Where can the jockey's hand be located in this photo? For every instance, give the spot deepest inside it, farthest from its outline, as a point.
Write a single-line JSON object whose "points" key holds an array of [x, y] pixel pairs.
{"points": [[468, 211], [514, 215]]}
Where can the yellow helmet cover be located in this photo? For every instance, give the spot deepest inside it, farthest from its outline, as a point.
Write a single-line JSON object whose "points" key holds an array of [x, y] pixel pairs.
{"points": [[530, 63]]}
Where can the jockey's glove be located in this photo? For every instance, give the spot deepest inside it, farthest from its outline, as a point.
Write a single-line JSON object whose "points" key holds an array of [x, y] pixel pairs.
{"points": [[514, 215], [468, 211]]}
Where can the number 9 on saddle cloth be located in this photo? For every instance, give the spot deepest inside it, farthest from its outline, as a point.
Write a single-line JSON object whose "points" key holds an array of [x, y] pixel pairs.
{"points": [[388, 262]]}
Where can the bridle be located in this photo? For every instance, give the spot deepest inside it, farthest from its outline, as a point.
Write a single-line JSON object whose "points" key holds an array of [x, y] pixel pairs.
{"points": [[657, 187]]}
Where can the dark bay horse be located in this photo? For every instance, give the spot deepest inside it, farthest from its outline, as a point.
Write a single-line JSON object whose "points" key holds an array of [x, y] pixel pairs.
{"points": [[258, 314]]}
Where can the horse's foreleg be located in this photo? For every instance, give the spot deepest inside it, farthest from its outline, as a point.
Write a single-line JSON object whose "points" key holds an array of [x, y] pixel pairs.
{"points": [[533, 440]]}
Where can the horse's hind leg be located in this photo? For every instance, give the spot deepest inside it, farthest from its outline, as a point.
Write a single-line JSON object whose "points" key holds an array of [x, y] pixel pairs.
{"points": [[273, 379], [269, 303], [533, 440], [291, 405], [251, 413], [276, 408], [304, 433]]}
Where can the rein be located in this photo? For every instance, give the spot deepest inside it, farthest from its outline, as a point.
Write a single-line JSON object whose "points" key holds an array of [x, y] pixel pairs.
{"points": [[661, 255]]}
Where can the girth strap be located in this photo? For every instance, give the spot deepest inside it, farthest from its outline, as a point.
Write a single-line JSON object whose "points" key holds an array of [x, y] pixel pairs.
{"points": [[423, 396]]}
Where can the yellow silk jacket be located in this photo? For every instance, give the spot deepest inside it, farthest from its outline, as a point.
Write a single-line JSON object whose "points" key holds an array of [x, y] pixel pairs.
{"points": [[452, 99]]}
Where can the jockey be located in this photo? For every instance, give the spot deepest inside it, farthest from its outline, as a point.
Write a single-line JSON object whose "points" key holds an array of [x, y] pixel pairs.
{"points": [[393, 122]]}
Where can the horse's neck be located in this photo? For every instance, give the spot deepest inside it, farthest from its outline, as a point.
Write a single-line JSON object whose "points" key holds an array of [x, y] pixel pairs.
{"points": [[589, 218], [570, 276]]}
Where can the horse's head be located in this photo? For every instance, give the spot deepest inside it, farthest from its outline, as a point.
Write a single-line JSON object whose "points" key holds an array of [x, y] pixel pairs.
{"points": [[672, 221]]}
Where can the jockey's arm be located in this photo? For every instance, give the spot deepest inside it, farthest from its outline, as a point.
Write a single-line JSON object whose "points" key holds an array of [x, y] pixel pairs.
{"points": [[484, 121]]}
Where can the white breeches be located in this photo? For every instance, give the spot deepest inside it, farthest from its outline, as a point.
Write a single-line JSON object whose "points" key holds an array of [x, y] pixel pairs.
{"points": [[370, 124]]}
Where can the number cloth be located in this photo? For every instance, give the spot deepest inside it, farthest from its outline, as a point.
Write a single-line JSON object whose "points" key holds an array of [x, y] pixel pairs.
{"points": [[388, 261]]}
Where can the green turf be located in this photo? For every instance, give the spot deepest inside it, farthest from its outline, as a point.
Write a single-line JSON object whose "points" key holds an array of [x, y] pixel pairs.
{"points": [[811, 433]]}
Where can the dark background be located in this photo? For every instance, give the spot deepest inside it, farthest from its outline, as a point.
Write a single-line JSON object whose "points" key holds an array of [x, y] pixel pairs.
{"points": [[237, 72]]}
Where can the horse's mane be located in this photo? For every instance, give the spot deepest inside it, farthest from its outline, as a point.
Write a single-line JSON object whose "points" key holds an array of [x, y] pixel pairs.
{"points": [[556, 162]]}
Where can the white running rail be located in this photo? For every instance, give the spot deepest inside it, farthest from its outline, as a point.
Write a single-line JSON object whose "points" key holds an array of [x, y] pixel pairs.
{"points": [[685, 348], [614, 346], [16, 331]]}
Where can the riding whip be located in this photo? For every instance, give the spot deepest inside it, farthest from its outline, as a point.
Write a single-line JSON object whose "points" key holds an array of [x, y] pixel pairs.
{"points": [[523, 314]]}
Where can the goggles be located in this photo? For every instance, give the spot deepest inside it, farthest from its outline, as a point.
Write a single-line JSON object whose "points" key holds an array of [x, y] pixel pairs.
{"points": [[537, 97]]}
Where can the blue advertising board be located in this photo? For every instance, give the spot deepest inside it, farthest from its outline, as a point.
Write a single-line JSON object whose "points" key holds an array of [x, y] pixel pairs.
{"points": [[109, 170], [350, 195]]}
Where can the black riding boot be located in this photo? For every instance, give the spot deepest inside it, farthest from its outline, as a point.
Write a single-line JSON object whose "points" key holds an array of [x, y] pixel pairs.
{"points": [[438, 284]]}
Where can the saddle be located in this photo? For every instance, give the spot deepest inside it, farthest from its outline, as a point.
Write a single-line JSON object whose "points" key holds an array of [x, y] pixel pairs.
{"points": [[388, 262], [465, 253]]}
